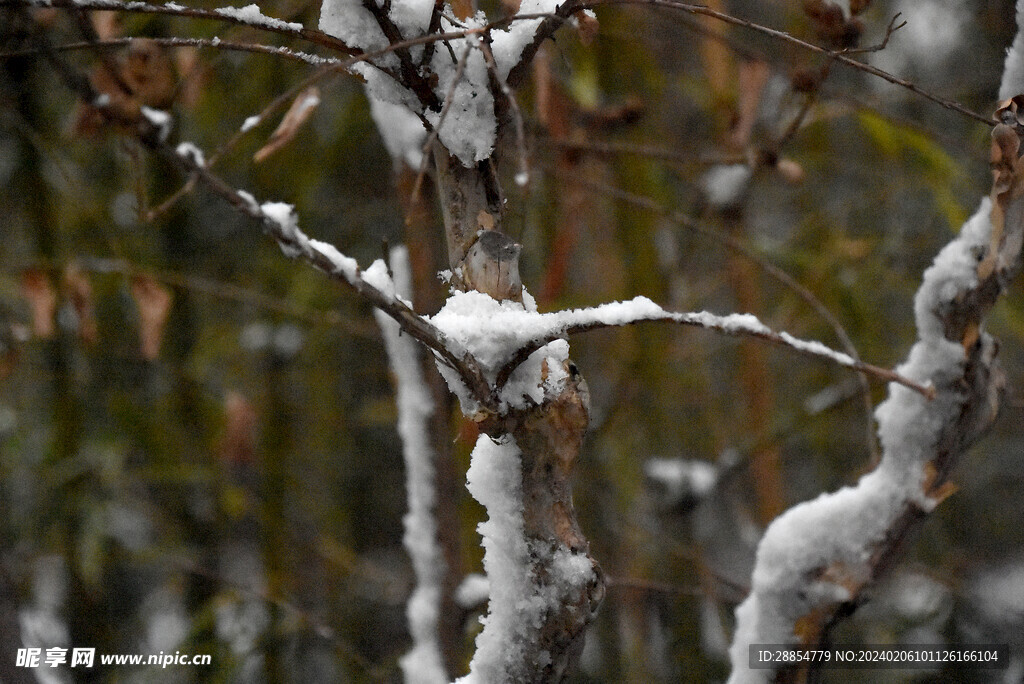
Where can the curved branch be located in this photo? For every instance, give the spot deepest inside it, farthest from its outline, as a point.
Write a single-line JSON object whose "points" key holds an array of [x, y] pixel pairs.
{"points": [[641, 310]]}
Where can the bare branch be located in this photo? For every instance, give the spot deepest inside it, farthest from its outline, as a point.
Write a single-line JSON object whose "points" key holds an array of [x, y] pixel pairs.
{"points": [[225, 15], [839, 56], [212, 43]]}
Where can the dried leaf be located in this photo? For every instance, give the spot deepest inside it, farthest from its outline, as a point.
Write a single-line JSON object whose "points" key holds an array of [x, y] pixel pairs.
{"points": [[194, 74], [42, 300], [149, 71], [154, 303], [587, 26], [240, 419], [464, 9], [106, 24], [790, 170], [149, 74], [300, 111], [753, 75], [79, 291]]}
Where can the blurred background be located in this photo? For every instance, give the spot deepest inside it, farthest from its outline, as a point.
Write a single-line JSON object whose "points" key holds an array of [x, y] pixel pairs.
{"points": [[197, 435]]}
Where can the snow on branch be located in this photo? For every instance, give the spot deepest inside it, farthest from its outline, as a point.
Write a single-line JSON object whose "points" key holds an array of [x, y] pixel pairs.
{"points": [[529, 578], [508, 337], [816, 558], [423, 79], [424, 663], [249, 15]]}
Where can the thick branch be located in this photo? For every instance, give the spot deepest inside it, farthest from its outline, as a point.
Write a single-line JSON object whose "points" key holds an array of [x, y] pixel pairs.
{"points": [[812, 570]]}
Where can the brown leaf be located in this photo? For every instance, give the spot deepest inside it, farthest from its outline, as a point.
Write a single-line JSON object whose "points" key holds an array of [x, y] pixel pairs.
{"points": [[154, 303], [588, 26], [149, 71], [42, 300], [79, 291], [106, 24], [790, 170], [240, 419], [752, 77], [300, 111], [194, 74]]}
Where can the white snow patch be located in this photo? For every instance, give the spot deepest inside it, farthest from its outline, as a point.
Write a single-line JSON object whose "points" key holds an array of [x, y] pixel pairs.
{"points": [[1013, 71], [725, 185], [518, 604], [191, 151], [349, 21], [842, 529], [424, 663], [251, 14], [159, 118], [401, 130], [682, 478], [250, 123], [473, 590]]}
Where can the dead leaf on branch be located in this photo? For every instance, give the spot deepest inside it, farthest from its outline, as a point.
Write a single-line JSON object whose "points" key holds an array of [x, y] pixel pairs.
{"points": [[154, 303], [147, 71], [300, 111], [42, 300], [587, 26], [79, 291], [751, 80], [240, 421]]}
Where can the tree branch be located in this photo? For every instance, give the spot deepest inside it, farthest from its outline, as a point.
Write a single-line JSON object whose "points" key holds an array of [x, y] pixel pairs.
{"points": [[839, 56]]}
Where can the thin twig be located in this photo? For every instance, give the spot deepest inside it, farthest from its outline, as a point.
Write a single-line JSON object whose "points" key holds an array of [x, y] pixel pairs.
{"points": [[214, 43], [460, 67], [272, 25], [839, 56], [737, 246], [523, 175]]}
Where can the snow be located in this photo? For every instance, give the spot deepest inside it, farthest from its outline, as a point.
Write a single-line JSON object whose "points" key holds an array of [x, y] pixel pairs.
{"points": [[507, 44], [285, 217], [815, 552], [159, 118], [518, 603], [473, 591], [401, 130], [1013, 71], [349, 21], [494, 331], [469, 128], [412, 17], [343, 265], [378, 276], [251, 14], [725, 185], [423, 664], [682, 478], [191, 151], [998, 593], [250, 123]]}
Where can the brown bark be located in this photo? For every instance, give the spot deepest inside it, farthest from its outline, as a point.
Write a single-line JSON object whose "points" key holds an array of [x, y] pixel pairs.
{"points": [[549, 435]]}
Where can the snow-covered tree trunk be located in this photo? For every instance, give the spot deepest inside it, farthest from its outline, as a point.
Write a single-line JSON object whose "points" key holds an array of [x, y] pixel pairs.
{"points": [[545, 588]]}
